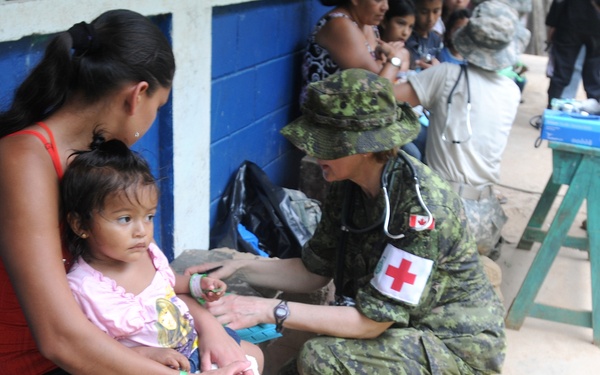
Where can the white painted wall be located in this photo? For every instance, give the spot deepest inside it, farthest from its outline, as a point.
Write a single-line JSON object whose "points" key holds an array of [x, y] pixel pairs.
{"points": [[191, 100]]}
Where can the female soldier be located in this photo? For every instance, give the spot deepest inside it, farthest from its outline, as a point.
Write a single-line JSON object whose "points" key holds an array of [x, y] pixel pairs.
{"points": [[412, 296]]}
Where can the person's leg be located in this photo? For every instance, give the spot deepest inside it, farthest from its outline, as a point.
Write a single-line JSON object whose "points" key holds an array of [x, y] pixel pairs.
{"points": [[570, 91], [397, 351], [591, 67], [486, 218], [412, 150], [565, 47], [421, 141], [256, 352]]}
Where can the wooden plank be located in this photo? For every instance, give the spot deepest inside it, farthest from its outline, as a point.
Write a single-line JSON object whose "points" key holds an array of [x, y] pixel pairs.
{"points": [[593, 230], [539, 213], [561, 315]]}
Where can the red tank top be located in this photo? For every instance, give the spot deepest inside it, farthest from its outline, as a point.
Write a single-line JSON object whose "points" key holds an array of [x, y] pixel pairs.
{"points": [[18, 352]]}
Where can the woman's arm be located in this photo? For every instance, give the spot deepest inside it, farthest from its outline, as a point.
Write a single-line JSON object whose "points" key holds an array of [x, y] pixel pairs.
{"points": [[288, 275], [339, 321], [347, 46], [30, 248], [216, 346], [404, 92]]}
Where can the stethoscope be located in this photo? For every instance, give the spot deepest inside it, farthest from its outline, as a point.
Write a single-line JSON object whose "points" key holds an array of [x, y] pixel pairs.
{"points": [[463, 68], [387, 178]]}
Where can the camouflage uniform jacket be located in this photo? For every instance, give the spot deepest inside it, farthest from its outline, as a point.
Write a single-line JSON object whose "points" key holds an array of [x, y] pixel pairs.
{"points": [[458, 303]]}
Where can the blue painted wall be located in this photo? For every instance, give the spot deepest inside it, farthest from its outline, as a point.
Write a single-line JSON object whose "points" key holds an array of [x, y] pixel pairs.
{"points": [[256, 71], [256, 58]]}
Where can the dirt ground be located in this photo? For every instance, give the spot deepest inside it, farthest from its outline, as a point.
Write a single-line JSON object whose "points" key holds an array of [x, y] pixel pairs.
{"points": [[540, 346]]}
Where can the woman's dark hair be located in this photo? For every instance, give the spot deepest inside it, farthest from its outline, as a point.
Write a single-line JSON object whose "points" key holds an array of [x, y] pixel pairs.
{"points": [[384, 156], [123, 46], [328, 3], [454, 17], [400, 8], [109, 168]]}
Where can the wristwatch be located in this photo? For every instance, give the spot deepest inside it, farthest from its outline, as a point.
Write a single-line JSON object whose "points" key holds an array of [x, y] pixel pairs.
{"points": [[396, 61], [281, 313]]}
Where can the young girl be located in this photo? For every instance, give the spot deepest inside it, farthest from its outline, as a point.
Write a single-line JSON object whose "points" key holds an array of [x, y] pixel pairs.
{"points": [[120, 278], [397, 26], [398, 22]]}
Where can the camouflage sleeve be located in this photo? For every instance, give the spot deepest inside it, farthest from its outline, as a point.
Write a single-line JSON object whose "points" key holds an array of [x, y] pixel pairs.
{"points": [[319, 253], [381, 308], [442, 245]]}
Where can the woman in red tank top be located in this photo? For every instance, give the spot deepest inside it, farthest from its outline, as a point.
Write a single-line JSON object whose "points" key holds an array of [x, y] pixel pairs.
{"points": [[108, 77]]}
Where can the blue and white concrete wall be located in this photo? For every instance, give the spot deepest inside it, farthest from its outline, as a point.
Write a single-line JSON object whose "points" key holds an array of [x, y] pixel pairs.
{"points": [[236, 85]]}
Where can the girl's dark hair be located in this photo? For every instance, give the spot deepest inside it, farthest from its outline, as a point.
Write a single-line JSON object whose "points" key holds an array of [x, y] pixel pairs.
{"points": [[124, 47], [400, 8], [109, 168], [454, 17]]}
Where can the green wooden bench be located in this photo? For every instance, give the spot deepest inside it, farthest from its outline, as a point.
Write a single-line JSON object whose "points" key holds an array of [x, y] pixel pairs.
{"points": [[578, 167]]}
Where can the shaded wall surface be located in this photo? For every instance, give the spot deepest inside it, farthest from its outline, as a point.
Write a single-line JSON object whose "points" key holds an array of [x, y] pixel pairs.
{"points": [[256, 70]]}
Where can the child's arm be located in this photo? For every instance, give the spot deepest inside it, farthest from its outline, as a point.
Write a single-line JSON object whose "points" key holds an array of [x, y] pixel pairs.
{"points": [[200, 286]]}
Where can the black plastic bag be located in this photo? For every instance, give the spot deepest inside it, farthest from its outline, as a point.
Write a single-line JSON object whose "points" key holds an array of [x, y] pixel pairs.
{"points": [[264, 209]]}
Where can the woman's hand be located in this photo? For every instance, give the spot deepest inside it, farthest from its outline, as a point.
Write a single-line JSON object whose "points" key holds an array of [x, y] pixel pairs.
{"points": [[225, 269], [427, 64], [166, 356], [215, 344], [242, 311], [387, 50]]}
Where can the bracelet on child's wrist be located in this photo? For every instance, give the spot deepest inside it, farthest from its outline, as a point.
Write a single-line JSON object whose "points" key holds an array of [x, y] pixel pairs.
{"points": [[196, 286]]}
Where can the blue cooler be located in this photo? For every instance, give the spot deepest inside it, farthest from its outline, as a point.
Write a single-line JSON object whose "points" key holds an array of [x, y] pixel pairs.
{"points": [[573, 128]]}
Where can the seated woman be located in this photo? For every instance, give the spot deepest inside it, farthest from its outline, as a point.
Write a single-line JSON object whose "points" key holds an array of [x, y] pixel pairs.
{"points": [[347, 37], [412, 295], [85, 82]]}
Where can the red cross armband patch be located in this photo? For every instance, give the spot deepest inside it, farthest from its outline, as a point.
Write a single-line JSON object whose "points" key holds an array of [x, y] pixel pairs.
{"points": [[401, 275]]}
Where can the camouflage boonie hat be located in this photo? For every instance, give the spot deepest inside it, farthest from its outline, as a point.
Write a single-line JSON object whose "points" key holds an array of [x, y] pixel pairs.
{"points": [[521, 6], [494, 38], [351, 112]]}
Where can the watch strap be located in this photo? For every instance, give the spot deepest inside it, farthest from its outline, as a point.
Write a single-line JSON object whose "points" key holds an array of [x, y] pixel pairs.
{"points": [[281, 313]]}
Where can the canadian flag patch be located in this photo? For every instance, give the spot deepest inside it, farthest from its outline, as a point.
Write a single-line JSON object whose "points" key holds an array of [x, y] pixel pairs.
{"points": [[419, 222], [401, 275]]}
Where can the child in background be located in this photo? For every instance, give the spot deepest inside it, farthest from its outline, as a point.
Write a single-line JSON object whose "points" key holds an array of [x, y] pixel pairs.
{"points": [[121, 279], [397, 26], [425, 44], [457, 19]]}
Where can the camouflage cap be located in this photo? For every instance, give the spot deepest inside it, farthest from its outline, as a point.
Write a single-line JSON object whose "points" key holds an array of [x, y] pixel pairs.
{"points": [[494, 38], [351, 112], [521, 6]]}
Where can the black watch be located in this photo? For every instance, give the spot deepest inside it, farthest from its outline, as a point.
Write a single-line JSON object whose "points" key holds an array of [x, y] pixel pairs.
{"points": [[281, 313]]}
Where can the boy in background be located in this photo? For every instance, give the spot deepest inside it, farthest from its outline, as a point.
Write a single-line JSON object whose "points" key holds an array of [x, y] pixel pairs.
{"points": [[425, 44]]}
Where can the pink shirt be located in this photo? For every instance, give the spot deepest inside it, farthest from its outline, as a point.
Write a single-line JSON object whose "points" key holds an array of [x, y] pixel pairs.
{"points": [[156, 317]]}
